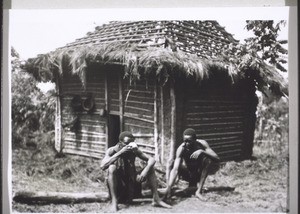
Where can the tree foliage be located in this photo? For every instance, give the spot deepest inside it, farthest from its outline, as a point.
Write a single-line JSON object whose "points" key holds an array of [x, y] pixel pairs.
{"points": [[272, 114], [261, 57], [266, 42], [32, 110]]}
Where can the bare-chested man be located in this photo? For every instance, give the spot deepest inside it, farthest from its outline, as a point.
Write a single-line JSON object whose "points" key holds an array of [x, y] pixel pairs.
{"points": [[194, 161], [123, 182]]}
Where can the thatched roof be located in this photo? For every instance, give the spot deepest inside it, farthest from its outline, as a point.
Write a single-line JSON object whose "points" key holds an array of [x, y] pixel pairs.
{"points": [[194, 48]]}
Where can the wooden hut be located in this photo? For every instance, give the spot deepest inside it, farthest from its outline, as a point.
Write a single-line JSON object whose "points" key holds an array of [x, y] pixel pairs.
{"points": [[154, 78]]}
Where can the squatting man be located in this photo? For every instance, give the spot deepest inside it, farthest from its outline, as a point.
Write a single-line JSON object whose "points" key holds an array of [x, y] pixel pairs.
{"points": [[194, 161], [124, 182]]}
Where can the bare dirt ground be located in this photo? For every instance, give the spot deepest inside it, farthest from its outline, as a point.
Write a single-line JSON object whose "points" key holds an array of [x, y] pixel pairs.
{"points": [[260, 184]]}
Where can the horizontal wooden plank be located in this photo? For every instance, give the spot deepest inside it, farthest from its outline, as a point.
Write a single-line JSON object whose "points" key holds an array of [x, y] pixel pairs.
{"points": [[216, 105], [217, 99], [82, 149], [136, 109], [224, 138], [141, 102], [84, 113], [101, 83], [143, 93], [87, 133], [215, 124], [194, 117], [69, 99], [138, 125], [130, 120], [216, 134], [133, 116], [224, 129], [93, 122], [225, 147], [85, 138], [229, 111], [91, 147], [99, 142], [226, 141], [140, 87], [115, 101], [86, 154], [113, 112], [149, 117], [142, 135], [137, 97]]}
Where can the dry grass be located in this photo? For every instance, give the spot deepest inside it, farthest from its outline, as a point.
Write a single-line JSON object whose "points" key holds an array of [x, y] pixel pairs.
{"points": [[260, 184]]}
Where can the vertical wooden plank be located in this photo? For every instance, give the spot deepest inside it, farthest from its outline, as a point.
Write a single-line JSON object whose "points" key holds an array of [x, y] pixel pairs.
{"points": [[156, 123], [58, 130], [162, 118], [106, 106], [173, 129], [121, 102]]}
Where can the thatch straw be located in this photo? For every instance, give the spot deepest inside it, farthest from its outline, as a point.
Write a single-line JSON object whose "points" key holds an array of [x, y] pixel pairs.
{"points": [[160, 61]]}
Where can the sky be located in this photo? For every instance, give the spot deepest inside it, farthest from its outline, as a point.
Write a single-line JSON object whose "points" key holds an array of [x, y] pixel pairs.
{"points": [[34, 32]]}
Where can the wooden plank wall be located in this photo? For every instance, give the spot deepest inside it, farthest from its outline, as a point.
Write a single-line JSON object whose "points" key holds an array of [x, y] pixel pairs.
{"points": [[113, 90], [89, 138], [139, 113], [220, 121]]}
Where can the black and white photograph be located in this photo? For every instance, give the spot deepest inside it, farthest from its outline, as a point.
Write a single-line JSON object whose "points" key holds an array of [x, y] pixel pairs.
{"points": [[138, 111]]}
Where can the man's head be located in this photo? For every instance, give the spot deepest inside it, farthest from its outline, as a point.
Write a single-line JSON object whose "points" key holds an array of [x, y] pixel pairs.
{"points": [[126, 137], [189, 135]]}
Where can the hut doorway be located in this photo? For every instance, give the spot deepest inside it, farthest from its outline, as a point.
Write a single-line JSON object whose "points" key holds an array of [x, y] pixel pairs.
{"points": [[113, 129]]}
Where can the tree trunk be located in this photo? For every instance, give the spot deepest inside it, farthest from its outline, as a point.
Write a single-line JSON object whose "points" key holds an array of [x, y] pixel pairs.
{"points": [[59, 197], [68, 197]]}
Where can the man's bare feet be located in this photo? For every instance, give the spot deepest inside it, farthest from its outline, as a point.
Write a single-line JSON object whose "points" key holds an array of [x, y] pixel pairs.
{"points": [[160, 203], [200, 196]]}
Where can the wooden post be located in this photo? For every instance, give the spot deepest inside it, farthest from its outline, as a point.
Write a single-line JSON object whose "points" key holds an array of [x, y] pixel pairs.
{"points": [[156, 123], [121, 103], [162, 139], [58, 129], [106, 108], [173, 129]]}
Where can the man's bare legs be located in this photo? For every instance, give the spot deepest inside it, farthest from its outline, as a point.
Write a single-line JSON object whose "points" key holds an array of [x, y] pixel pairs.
{"points": [[112, 185], [152, 181], [204, 173]]}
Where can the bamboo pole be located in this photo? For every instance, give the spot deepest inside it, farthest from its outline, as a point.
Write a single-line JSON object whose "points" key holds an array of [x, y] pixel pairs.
{"points": [[156, 123], [106, 107], [162, 142], [121, 103], [173, 129], [58, 130]]}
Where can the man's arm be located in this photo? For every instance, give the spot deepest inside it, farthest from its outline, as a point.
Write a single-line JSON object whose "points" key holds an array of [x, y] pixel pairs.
{"points": [[150, 164], [174, 171], [208, 151], [110, 159]]}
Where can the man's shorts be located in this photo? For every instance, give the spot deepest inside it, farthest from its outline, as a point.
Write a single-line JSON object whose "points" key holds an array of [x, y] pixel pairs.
{"points": [[193, 174], [128, 187]]}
